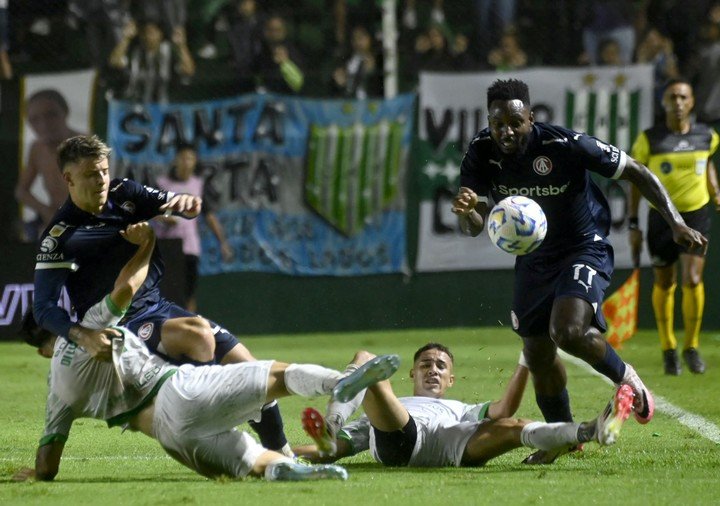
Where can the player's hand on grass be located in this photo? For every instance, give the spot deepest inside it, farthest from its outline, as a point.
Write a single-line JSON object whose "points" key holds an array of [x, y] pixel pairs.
{"points": [[464, 202], [96, 342], [24, 474], [694, 241], [185, 204], [138, 233]]}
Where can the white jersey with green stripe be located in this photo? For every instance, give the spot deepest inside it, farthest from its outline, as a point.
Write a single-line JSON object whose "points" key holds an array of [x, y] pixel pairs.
{"points": [[425, 411], [82, 387]]}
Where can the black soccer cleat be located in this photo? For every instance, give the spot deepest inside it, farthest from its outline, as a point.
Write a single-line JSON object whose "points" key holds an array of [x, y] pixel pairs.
{"points": [[693, 361], [671, 362]]}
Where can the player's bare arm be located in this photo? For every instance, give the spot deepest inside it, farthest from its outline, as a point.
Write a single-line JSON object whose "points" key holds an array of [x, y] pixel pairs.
{"points": [[508, 405], [47, 463], [134, 272], [635, 233], [96, 342], [651, 188], [186, 205], [470, 211], [712, 182]]}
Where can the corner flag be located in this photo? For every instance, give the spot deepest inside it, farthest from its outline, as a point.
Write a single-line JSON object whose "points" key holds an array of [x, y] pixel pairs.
{"points": [[621, 311]]}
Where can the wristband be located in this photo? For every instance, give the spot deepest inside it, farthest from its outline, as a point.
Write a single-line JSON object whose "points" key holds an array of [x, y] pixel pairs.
{"points": [[522, 361]]}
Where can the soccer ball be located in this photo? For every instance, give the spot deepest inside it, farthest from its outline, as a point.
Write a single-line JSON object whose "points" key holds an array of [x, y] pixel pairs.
{"points": [[517, 225]]}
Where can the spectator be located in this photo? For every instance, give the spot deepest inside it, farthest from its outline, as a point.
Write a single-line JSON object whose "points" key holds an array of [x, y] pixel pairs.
{"points": [[607, 19], [432, 51], [508, 55], [657, 49], [494, 17], [358, 76], [6, 71], [170, 15], [705, 71], [47, 114], [150, 64], [245, 38], [609, 53], [103, 22], [182, 179], [278, 65]]}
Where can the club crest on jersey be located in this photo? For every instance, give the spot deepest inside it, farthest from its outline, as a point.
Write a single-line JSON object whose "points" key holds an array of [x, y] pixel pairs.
{"points": [[128, 206], [48, 245], [145, 331], [514, 320], [542, 165]]}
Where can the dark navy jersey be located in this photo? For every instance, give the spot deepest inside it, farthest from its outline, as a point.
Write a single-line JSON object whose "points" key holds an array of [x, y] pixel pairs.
{"points": [[85, 253], [554, 172]]}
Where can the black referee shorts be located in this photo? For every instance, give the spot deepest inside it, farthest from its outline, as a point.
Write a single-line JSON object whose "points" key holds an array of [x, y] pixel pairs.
{"points": [[663, 250]]}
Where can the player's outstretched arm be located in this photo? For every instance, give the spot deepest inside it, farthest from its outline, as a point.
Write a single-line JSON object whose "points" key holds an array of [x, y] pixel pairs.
{"points": [[651, 188], [470, 211], [311, 452], [712, 182], [47, 463], [508, 405], [134, 272], [186, 205]]}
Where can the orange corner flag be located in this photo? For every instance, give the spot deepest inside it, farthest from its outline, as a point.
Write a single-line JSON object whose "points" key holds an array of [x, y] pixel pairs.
{"points": [[621, 311]]}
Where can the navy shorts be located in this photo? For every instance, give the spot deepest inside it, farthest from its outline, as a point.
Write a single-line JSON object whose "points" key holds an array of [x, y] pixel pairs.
{"points": [[663, 250], [148, 324], [583, 273]]}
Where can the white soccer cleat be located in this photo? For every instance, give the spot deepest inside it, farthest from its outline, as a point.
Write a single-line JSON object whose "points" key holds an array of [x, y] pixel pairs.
{"points": [[611, 420], [293, 471], [643, 403], [378, 369]]}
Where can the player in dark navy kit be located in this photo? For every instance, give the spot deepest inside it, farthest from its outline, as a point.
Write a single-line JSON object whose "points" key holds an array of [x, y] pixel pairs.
{"points": [[559, 287], [83, 250]]}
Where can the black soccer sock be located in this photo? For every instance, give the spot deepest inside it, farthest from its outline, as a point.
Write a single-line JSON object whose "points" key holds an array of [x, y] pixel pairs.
{"points": [[611, 366], [555, 408], [270, 427]]}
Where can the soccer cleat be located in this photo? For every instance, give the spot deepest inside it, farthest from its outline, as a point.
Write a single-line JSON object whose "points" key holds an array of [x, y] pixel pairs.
{"points": [[293, 471], [693, 361], [671, 362], [314, 425], [643, 403], [611, 420], [378, 369]]}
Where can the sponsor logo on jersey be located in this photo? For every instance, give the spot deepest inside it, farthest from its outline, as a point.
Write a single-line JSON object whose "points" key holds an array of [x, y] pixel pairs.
{"points": [[559, 140], [514, 320], [532, 191], [684, 145], [95, 225], [542, 165], [496, 162], [57, 230], [52, 257], [145, 331], [48, 245], [128, 206], [666, 167]]}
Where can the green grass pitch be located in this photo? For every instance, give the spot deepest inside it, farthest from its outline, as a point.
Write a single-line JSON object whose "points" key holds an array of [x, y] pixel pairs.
{"points": [[664, 462]]}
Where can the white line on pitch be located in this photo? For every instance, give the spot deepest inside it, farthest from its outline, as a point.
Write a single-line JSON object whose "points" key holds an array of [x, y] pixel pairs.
{"points": [[704, 427], [100, 457]]}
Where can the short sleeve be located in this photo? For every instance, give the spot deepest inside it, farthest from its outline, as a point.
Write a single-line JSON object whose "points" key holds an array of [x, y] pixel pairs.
{"points": [[476, 412], [714, 141], [597, 156], [147, 200]]}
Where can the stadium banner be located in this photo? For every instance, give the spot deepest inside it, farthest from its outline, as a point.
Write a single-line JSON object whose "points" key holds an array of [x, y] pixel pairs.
{"points": [[301, 187], [612, 103]]}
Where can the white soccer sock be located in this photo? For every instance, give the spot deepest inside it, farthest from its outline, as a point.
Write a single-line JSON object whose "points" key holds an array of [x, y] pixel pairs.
{"points": [[548, 436], [338, 412], [310, 380]]}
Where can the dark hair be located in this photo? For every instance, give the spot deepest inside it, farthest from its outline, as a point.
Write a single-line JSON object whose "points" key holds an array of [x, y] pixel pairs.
{"points": [[53, 95], [79, 148], [434, 346], [31, 332], [676, 80], [183, 145], [510, 89]]}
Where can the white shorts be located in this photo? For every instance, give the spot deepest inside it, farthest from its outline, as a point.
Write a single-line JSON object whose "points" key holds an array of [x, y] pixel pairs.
{"points": [[198, 408], [437, 444]]}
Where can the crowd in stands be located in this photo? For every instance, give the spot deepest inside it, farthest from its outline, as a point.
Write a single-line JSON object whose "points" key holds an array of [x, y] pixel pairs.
{"points": [[147, 50]]}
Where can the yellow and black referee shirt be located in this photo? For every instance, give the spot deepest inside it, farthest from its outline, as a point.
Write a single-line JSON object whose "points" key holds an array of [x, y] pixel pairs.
{"points": [[680, 161]]}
